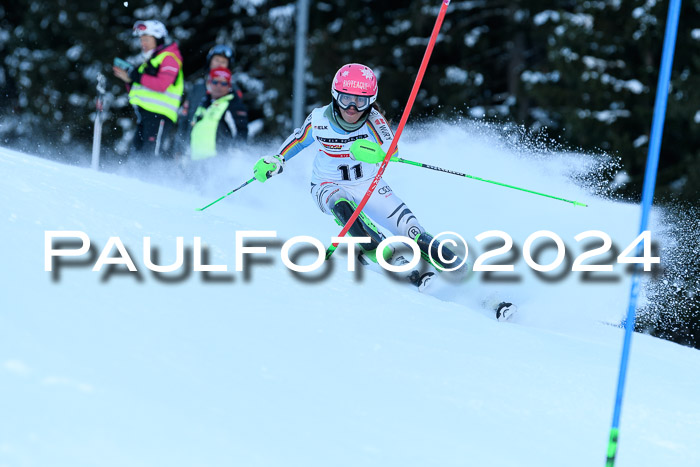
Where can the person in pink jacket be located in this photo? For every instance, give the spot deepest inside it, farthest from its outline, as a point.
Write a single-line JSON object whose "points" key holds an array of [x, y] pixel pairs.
{"points": [[155, 90]]}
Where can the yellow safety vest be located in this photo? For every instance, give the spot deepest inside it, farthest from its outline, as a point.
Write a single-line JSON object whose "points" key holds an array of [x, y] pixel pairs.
{"points": [[163, 103], [203, 136]]}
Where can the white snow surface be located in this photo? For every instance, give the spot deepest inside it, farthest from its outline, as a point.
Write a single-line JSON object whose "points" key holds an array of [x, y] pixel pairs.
{"points": [[126, 369]]}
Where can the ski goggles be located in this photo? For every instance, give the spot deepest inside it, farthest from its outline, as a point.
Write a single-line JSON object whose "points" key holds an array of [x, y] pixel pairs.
{"points": [[346, 100], [221, 49], [216, 82]]}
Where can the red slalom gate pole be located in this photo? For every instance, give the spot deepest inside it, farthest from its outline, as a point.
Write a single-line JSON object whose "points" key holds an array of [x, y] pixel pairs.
{"points": [[402, 123]]}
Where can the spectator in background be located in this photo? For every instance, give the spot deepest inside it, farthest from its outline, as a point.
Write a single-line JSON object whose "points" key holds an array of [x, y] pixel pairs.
{"points": [[219, 56], [155, 89], [221, 119]]}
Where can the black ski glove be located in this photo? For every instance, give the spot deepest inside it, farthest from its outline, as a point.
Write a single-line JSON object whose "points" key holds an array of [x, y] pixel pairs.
{"points": [[134, 75]]}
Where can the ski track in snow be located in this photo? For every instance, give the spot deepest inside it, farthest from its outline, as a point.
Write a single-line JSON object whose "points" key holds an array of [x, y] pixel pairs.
{"points": [[116, 368]]}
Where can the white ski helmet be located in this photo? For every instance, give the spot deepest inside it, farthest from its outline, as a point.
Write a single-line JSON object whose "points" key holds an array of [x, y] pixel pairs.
{"points": [[150, 27]]}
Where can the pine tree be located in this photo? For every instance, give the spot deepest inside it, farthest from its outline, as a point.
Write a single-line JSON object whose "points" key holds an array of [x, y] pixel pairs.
{"points": [[599, 85]]}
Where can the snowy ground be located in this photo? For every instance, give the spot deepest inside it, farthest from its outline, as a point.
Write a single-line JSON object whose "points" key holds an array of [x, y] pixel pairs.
{"points": [[263, 368]]}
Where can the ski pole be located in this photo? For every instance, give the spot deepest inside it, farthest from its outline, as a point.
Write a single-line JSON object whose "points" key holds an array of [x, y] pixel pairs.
{"points": [[97, 131], [402, 123], [652, 166], [439, 169], [159, 137], [227, 194]]}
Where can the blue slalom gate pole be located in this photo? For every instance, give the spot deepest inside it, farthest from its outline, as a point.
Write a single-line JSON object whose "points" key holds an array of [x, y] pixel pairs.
{"points": [[647, 198]]}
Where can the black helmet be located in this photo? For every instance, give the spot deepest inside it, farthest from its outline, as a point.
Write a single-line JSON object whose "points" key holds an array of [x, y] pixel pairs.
{"points": [[223, 50]]}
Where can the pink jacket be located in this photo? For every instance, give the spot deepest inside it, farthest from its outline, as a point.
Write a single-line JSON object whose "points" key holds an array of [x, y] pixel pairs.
{"points": [[167, 72]]}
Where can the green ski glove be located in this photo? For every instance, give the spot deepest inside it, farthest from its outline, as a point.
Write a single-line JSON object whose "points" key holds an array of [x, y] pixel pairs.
{"points": [[268, 166], [367, 151]]}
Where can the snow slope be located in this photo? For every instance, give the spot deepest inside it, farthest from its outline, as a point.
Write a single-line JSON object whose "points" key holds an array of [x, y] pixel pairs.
{"points": [[262, 368]]}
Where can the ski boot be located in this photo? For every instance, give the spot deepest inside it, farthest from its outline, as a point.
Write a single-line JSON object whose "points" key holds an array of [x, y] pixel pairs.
{"points": [[414, 277], [505, 310], [451, 259], [362, 227]]}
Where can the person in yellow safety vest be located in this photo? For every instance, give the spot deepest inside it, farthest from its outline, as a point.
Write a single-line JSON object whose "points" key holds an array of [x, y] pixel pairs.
{"points": [[219, 56], [155, 90], [221, 119]]}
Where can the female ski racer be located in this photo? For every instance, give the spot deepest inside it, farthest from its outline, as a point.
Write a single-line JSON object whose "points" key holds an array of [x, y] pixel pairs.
{"points": [[339, 181]]}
